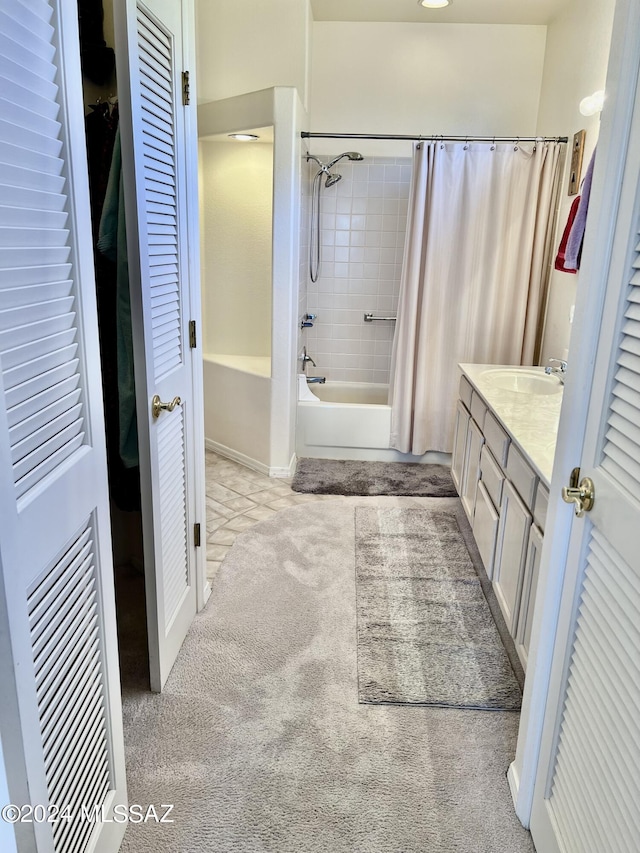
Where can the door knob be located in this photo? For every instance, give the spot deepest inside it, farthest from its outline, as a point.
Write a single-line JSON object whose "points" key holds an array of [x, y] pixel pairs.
{"points": [[582, 494], [158, 406]]}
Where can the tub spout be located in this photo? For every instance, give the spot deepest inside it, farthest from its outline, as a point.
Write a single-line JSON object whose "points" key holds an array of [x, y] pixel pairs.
{"points": [[316, 380]]}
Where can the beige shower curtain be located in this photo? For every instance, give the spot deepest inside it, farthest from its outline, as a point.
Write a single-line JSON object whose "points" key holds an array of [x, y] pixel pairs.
{"points": [[476, 263]]}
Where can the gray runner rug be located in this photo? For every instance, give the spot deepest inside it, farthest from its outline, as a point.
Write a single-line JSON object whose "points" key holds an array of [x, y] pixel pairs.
{"points": [[350, 477], [425, 633]]}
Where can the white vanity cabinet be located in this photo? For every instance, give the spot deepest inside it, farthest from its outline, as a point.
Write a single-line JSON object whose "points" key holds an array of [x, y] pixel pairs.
{"points": [[513, 540], [506, 503]]}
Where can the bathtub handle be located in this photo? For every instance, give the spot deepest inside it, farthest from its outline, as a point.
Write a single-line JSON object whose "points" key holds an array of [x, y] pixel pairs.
{"points": [[157, 406]]}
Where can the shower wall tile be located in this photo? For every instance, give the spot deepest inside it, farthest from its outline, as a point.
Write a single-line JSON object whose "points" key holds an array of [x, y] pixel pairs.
{"points": [[363, 218]]}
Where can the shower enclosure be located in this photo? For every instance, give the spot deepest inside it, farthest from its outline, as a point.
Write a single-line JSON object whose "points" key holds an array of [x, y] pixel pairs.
{"points": [[249, 270]]}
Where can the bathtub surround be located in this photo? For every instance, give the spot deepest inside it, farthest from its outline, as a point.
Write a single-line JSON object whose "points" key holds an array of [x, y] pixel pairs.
{"points": [[348, 477], [425, 633], [274, 749], [474, 275], [363, 226]]}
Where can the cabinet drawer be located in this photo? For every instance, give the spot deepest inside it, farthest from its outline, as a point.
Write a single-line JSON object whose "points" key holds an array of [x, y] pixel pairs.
{"points": [[491, 475], [496, 438], [485, 528], [465, 392], [541, 506], [478, 410], [522, 476]]}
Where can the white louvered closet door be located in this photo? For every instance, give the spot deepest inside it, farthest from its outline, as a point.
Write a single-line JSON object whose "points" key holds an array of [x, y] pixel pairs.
{"points": [[587, 795], [60, 714], [149, 54]]}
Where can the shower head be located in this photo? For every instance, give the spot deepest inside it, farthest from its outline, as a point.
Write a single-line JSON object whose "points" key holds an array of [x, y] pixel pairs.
{"points": [[350, 155], [332, 179]]}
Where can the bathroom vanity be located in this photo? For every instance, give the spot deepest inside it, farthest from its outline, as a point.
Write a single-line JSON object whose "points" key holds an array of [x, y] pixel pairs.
{"points": [[505, 436]]}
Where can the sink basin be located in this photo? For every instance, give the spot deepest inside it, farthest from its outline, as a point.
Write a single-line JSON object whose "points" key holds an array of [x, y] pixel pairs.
{"points": [[522, 381]]}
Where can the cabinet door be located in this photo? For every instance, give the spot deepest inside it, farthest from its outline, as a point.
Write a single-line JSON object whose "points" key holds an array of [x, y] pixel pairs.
{"points": [[471, 472], [528, 596], [459, 445], [485, 527], [513, 537]]}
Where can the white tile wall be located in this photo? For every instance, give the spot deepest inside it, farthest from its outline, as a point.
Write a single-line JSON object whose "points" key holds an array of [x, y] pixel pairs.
{"points": [[363, 219]]}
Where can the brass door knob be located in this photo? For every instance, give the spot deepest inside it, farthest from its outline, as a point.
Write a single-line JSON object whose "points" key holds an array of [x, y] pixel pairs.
{"points": [[158, 406], [582, 494]]}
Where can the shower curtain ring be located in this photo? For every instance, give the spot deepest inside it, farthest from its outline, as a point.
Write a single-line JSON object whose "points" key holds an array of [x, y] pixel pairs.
{"points": [[493, 144], [466, 144], [515, 147]]}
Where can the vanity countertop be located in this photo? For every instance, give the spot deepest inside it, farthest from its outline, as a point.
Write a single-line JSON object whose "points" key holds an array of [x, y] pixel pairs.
{"points": [[530, 419]]}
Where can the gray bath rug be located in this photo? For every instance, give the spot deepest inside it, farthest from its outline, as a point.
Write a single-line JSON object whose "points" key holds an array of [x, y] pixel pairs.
{"points": [[425, 633], [349, 477]]}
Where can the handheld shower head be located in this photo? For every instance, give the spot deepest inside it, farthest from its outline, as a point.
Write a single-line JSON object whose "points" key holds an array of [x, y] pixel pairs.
{"points": [[350, 155]]}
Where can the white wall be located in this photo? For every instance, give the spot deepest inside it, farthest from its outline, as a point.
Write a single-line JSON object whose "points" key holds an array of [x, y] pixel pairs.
{"points": [[425, 78], [575, 66], [237, 202], [247, 46]]}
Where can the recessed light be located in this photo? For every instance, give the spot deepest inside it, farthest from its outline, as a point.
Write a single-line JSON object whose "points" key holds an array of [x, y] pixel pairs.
{"points": [[435, 4], [243, 137]]}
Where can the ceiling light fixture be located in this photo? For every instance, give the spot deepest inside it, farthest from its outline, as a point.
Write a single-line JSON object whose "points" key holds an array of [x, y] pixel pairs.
{"points": [[435, 4], [243, 137]]}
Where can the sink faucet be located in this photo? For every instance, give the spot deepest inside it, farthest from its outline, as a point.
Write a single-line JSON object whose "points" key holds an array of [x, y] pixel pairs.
{"points": [[556, 367]]}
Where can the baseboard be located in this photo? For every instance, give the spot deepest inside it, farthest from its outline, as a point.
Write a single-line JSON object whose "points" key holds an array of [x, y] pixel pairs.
{"points": [[285, 472], [236, 456], [249, 462], [514, 782]]}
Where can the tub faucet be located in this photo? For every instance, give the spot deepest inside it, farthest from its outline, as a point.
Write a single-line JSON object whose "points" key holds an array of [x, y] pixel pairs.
{"points": [[306, 359], [556, 367], [316, 380]]}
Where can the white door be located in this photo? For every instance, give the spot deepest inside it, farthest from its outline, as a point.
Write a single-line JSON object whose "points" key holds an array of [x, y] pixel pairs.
{"points": [[149, 51], [587, 790], [60, 714]]}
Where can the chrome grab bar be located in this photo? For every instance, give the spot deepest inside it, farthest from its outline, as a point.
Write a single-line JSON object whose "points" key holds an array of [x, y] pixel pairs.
{"points": [[369, 318]]}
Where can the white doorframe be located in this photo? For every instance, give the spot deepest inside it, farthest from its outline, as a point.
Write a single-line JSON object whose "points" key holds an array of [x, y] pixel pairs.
{"points": [[622, 79]]}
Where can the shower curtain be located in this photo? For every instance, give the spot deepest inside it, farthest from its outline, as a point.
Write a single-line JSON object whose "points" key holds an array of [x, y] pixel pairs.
{"points": [[476, 265]]}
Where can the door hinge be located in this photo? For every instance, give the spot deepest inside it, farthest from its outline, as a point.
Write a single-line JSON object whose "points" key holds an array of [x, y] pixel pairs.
{"points": [[185, 88], [196, 535], [193, 341]]}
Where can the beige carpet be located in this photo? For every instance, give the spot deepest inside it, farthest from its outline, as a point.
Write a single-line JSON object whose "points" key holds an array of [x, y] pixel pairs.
{"points": [[259, 739]]}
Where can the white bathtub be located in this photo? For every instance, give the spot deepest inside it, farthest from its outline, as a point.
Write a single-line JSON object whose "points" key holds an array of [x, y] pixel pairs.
{"points": [[237, 405], [351, 420]]}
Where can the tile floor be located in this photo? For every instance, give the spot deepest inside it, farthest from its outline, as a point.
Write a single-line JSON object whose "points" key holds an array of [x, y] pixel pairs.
{"points": [[238, 498]]}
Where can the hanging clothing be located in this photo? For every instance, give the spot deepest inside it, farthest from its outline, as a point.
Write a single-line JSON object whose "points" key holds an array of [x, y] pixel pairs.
{"points": [[476, 260], [112, 242]]}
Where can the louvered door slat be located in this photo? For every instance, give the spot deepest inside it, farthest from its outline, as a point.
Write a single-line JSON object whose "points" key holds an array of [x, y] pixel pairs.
{"points": [[67, 657], [44, 163], [598, 734], [156, 70], [35, 249]]}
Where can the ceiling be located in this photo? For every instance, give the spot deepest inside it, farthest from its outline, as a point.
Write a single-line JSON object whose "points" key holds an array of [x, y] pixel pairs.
{"points": [[459, 12]]}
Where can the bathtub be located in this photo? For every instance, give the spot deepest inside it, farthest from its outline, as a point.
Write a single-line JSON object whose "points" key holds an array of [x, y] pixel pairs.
{"points": [[237, 405], [351, 420]]}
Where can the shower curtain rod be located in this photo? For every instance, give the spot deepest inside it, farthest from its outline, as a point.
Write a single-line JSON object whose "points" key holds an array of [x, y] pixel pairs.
{"points": [[435, 137]]}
